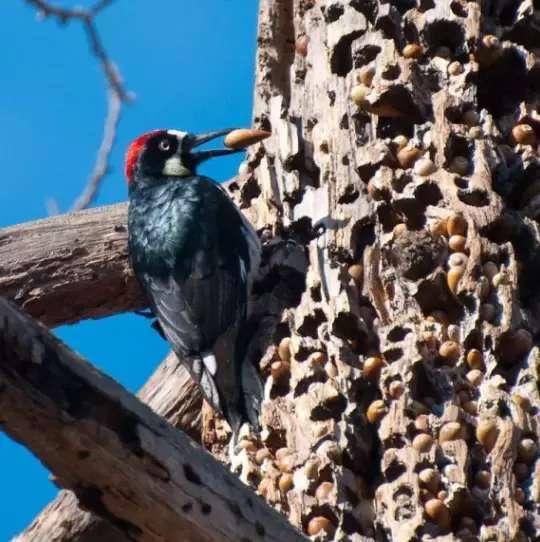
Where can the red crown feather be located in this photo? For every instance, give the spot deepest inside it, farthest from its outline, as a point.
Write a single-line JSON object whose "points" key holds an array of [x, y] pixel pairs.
{"points": [[132, 153]]}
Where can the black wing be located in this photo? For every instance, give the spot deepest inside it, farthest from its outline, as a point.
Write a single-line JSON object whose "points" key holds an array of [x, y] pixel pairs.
{"points": [[194, 311]]}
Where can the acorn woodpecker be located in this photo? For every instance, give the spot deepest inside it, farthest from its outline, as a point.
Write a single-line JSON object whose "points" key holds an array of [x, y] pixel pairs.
{"points": [[195, 256]]}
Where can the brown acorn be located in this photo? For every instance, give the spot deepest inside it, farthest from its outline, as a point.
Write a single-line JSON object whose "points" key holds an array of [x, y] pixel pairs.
{"points": [[376, 411], [372, 367], [285, 482], [244, 137], [475, 359], [356, 272], [449, 351], [412, 50], [456, 225], [318, 524], [523, 134], [284, 349], [422, 442], [453, 276], [486, 434], [450, 431], [301, 45], [407, 156], [437, 511]]}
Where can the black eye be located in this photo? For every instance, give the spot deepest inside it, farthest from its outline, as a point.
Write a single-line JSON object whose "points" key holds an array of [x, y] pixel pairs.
{"points": [[164, 145]]}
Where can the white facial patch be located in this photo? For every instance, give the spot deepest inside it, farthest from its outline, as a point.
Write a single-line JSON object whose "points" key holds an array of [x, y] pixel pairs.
{"points": [[174, 165]]}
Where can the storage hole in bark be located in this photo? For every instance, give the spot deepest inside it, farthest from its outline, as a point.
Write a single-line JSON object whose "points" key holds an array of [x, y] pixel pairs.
{"points": [[398, 333], [311, 323], [364, 55], [388, 22], [393, 354], [428, 193], [443, 33], [302, 386], [341, 56], [434, 295], [390, 127], [458, 9], [404, 5], [474, 198], [362, 236], [503, 85], [332, 12], [331, 409], [368, 8], [394, 470], [350, 194], [425, 5]]}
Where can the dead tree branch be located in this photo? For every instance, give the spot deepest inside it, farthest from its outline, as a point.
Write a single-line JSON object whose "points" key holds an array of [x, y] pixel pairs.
{"points": [[118, 94], [122, 460], [171, 393], [70, 267]]}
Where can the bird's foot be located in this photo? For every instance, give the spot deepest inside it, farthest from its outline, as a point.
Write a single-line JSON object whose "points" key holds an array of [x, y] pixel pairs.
{"points": [[241, 453]]}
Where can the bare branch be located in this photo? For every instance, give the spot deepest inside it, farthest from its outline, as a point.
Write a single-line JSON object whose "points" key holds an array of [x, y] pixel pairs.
{"points": [[69, 267], [101, 166], [122, 460], [110, 70], [117, 94]]}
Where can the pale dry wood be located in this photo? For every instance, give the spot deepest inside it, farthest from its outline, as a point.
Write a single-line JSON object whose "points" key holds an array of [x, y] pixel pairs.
{"points": [[171, 393], [123, 461], [333, 163], [70, 267]]}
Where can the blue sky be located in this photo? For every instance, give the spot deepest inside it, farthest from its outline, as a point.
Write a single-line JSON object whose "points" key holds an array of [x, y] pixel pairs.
{"points": [[190, 64]]}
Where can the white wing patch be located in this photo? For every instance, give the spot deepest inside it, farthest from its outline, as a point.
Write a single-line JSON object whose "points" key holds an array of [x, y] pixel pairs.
{"points": [[209, 360]]}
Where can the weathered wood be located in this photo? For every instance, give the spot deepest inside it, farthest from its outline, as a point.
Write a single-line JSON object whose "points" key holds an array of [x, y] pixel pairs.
{"points": [[171, 393], [70, 267], [429, 251], [122, 460]]}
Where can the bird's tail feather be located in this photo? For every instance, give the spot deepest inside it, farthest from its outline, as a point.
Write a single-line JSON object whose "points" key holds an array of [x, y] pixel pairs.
{"points": [[252, 393]]}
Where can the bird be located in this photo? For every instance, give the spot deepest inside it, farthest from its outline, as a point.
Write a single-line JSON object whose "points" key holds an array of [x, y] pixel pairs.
{"points": [[195, 257]]}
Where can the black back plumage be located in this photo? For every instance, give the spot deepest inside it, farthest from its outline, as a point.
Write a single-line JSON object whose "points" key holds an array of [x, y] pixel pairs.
{"points": [[190, 252]]}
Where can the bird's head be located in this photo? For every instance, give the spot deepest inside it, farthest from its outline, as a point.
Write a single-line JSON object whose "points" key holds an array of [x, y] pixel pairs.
{"points": [[168, 153]]}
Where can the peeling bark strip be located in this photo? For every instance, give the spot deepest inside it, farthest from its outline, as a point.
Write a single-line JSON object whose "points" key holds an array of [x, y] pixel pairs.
{"points": [[171, 393], [122, 461], [70, 267]]}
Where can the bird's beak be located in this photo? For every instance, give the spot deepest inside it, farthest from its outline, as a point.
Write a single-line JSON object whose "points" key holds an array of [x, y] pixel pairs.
{"points": [[194, 141]]}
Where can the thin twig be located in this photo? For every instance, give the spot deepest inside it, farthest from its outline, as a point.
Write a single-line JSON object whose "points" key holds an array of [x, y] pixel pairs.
{"points": [[117, 91], [101, 167]]}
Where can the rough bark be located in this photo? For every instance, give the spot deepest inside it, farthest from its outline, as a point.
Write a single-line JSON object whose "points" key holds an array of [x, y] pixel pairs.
{"points": [[70, 267], [171, 393], [402, 404], [121, 460]]}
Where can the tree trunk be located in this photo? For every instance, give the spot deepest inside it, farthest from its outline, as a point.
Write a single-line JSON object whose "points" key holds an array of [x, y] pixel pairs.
{"points": [[402, 390]]}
